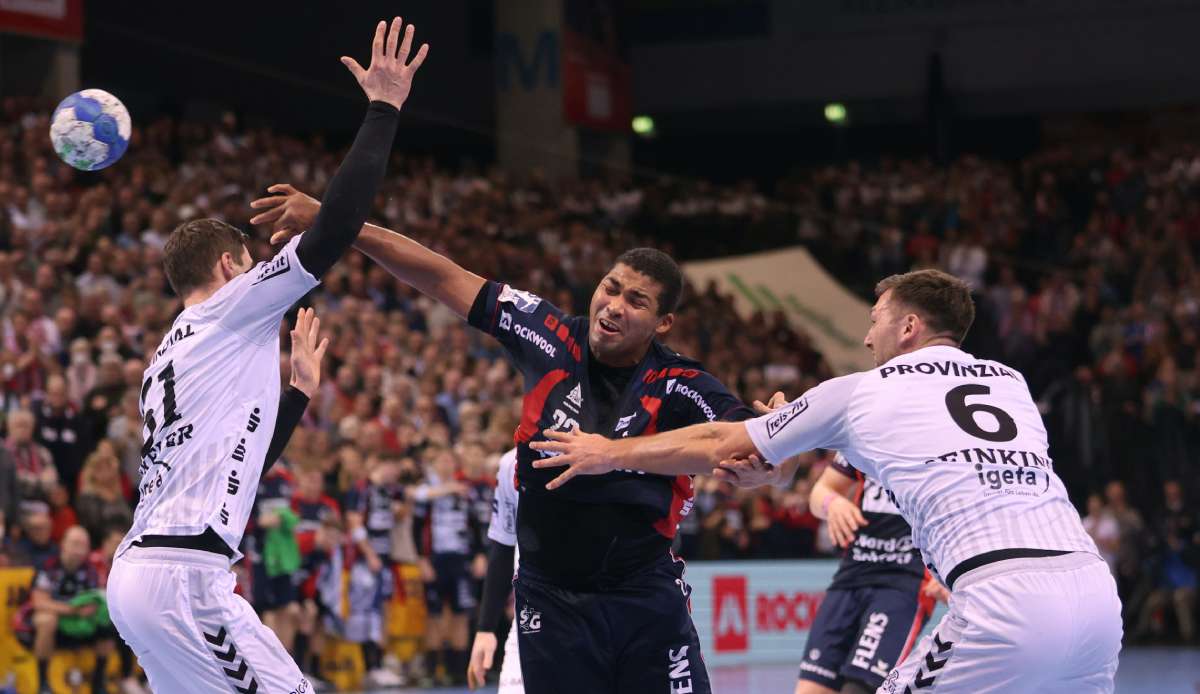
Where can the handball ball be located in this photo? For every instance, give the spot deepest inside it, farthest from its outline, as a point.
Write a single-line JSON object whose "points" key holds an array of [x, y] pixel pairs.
{"points": [[90, 129]]}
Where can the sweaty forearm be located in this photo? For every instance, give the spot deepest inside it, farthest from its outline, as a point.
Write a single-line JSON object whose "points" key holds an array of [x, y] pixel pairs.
{"points": [[430, 273], [351, 191], [496, 585]]}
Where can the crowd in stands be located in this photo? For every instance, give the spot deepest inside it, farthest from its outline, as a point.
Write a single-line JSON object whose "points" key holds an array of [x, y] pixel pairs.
{"points": [[1083, 261]]}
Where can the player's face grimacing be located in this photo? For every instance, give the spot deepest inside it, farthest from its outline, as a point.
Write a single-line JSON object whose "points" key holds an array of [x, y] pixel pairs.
{"points": [[625, 316]]}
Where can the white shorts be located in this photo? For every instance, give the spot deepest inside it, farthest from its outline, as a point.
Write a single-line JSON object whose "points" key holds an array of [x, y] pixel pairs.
{"points": [[1022, 625], [177, 611], [511, 681]]}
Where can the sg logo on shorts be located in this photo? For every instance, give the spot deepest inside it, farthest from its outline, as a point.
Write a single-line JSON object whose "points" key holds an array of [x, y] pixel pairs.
{"points": [[531, 621]]}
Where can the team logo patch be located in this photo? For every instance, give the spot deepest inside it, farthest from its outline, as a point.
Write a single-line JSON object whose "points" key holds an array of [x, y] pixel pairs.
{"points": [[778, 421], [522, 301], [575, 397], [530, 622], [278, 266], [814, 654], [505, 320]]}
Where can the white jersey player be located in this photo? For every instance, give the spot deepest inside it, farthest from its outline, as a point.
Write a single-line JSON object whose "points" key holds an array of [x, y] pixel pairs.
{"points": [[503, 531], [959, 443], [210, 400]]}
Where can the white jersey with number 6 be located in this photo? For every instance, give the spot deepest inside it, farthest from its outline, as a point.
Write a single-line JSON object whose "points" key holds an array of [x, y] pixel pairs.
{"points": [[957, 440], [209, 401]]}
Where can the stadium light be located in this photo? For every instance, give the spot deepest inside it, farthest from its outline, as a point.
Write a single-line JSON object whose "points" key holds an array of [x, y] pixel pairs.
{"points": [[643, 125], [835, 113]]}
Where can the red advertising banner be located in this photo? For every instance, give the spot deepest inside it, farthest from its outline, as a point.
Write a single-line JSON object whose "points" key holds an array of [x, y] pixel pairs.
{"points": [[50, 19], [731, 623], [597, 84]]}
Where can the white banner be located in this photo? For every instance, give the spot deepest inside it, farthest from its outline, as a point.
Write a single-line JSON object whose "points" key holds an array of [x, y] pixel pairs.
{"points": [[759, 611], [792, 281]]}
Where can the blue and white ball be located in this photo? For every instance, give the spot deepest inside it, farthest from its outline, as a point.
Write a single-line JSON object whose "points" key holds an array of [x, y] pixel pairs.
{"points": [[90, 129]]}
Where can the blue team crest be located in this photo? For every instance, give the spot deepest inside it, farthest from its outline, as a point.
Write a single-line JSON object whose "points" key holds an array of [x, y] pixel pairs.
{"points": [[785, 416], [522, 301]]}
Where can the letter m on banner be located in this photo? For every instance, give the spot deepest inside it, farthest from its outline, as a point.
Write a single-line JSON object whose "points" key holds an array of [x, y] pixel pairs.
{"points": [[539, 70], [731, 623]]}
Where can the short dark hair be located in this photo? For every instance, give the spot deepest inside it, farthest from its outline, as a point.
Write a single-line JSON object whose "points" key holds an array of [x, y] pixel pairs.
{"points": [[194, 247], [943, 300], [661, 268]]}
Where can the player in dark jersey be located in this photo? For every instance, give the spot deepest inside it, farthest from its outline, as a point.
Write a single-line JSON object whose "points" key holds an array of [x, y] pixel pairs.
{"points": [[881, 596], [447, 531], [601, 603]]}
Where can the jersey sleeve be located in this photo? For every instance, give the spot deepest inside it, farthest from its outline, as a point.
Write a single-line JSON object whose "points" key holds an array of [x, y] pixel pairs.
{"points": [[523, 322], [817, 419], [253, 303], [503, 526], [702, 398]]}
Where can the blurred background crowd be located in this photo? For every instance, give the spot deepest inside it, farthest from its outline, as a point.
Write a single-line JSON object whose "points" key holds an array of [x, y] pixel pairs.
{"points": [[1083, 261]]}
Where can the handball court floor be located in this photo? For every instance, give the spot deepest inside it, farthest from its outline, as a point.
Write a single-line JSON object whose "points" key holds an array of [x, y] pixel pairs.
{"points": [[1142, 671]]}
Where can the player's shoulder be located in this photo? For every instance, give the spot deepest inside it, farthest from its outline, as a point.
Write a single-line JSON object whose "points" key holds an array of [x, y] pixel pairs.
{"points": [[662, 362], [945, 361]]}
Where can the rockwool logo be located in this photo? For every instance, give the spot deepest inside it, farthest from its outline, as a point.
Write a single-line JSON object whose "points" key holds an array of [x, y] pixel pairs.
{"points": [[731, 623]]}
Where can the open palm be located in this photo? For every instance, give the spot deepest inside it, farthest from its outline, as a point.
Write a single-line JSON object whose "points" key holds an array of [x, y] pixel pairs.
{"points": [[388, 78]]}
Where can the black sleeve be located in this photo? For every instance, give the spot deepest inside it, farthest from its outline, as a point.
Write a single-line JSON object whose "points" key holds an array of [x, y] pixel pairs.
{"points": [[699, 397], [531, 329], [496, 585], [291, 408], [351, 191]]}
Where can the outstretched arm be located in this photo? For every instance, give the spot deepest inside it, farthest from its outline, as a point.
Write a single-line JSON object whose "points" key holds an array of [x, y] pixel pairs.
{"points": [[815, 420], [434, 275], [387, 82], [692, 450]]}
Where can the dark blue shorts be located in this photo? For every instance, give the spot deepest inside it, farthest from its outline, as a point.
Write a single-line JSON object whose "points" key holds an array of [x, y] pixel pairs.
{"points": [[453, 584], [862, 633], [272, 592], [633, 638]]}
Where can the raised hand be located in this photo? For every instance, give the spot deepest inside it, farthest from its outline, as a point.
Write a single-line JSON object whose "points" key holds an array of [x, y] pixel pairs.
{"points": [[307, 353], [388, 78], [288, 211]]}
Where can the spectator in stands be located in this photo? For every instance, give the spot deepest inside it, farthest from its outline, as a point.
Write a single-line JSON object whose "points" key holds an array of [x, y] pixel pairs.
{"points": [[1130, 525], [64, 603], [101, 502], [10, 486], [36, 474], [60, 428], [36, 544], [1102, 526], [1174, 548]]}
